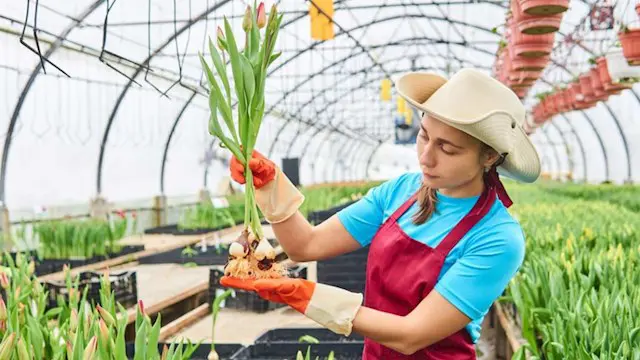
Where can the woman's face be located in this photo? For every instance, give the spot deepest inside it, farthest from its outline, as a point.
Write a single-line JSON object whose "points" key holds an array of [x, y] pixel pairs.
{"points": [[449, 158]]}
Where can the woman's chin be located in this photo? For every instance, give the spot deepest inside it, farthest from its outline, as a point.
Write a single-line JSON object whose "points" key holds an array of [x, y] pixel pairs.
{"points": [[430, 181]]}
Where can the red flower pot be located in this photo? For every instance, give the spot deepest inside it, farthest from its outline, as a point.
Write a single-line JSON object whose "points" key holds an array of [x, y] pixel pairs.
{"points": [[586, 89], [560, 101], [638, 9], [533, 24], [531, 45], [529, 64], [630, 41], [596, 84], [569, 99], [544, 7], [515, 75], [521, 92], [605, 78]]}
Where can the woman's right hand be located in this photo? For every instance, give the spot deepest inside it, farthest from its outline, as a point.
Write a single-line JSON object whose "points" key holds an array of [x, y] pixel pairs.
{"points": [[263, 170]]}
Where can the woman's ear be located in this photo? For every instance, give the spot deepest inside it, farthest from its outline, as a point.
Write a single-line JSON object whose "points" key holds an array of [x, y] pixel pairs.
{"points": [[490, 157]]}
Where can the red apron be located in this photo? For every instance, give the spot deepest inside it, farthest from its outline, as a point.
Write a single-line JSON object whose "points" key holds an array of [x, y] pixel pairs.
{"points": [[401, 272]]}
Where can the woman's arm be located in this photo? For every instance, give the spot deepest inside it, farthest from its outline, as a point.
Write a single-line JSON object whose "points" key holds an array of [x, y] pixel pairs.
{"points": [[305, 242], [431, 321]]}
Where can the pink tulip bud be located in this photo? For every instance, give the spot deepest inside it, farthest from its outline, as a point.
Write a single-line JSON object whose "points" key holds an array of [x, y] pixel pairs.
{"points": [[108, 318], [261, 19], [220, 38], [73, 321], [4, 280], [90, 350], [246, 20], [104, 332], [3, 310]]}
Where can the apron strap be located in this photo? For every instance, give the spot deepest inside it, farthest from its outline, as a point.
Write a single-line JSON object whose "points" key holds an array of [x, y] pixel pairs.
{"points": [[493, 180], [479, 210], [404, 207]]}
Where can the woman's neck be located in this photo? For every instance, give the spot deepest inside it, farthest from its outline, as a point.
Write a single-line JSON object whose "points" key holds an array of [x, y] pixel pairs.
{"points": [[474, 187]]}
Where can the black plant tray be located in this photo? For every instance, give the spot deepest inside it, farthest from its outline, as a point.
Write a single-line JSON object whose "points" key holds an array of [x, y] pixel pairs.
{"points": [[225, 351], [48, 266], [279, 351], [288, 335], [211, 256], [124, 286], [316, 217], [333, 277], [246, 300], [174, 230]]}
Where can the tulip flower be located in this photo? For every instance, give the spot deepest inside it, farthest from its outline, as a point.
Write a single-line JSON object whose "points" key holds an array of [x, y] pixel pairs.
{"points": [[108, 318], [90, 350], [220, 38], [4, 280], [246, 20], [3, 310], [261, 18], [23, 354], [6, 347]]}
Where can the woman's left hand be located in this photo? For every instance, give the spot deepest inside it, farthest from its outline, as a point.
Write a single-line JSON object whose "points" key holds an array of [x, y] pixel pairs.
{"points": [[329, 306]]}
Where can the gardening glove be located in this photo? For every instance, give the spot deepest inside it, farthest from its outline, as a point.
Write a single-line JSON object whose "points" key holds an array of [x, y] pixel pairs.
{"points": [[330, 306], [276, 196]]}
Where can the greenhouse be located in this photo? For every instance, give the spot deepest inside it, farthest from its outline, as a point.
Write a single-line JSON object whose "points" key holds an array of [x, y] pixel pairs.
{"points": [[323, 179]]}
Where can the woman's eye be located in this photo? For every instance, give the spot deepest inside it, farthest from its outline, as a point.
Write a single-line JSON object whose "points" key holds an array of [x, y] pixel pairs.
{"points": [[445, 149]]}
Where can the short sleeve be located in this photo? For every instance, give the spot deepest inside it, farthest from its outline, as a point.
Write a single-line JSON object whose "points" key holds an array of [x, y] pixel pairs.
{"points": [[482, 273], [363, 218]]}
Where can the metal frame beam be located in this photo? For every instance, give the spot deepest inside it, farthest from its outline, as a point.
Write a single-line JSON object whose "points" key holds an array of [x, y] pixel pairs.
{"points": [[582, 148], [169, 137], [137, 72], [34, 74]]}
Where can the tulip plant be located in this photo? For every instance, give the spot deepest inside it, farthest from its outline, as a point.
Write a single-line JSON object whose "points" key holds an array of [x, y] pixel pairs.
{"points": [[75, 329], [576, 293], [249, 70]]}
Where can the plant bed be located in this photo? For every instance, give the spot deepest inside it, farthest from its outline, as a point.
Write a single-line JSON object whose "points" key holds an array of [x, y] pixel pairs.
{"points": [[279, 351], [49, 266], [225, 351], [247, 300], [123, 285], [174, 229], [289, 335], [196, 254]]}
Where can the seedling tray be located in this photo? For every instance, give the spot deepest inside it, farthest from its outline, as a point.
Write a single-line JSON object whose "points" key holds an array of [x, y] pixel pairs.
{"points": [[48, 266], [289, 335], [225, 351], [246, 300], [317, 217], [279, 351], [174, 230], [124, 286]]}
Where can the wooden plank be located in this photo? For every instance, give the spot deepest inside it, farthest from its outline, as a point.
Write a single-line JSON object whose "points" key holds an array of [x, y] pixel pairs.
{"points": [[508, 327], [163, 285], [238, 326], [185, 320], [135, 256]]}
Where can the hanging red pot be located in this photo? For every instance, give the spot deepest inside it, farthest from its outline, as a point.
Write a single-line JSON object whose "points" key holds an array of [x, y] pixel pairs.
{"points": [[544, 7], [569, 99], [630, 40], [533, 24], [529, 64], [605, 78], [638, 9], [516, 75], [586, 89], [521, 92], [596, 84], [560, 102], [582, 100], [531, 45]]}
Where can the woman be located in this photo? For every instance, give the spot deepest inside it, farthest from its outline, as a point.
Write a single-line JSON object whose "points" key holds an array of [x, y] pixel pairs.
{"points": [[442, 245]]}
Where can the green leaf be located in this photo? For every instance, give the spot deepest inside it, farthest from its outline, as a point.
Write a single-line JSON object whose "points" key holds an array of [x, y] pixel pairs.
{"points": [[216, 93], [139, 345], [273, 57], [236, 66], [220, 67], [249, 80], [152, 345]]}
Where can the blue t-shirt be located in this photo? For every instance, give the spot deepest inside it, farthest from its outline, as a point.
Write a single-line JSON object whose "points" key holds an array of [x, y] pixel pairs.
{"points": [[478, 268]]}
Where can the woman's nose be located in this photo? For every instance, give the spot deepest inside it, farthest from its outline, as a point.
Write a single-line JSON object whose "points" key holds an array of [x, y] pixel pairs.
{"points": [[427, 156]]}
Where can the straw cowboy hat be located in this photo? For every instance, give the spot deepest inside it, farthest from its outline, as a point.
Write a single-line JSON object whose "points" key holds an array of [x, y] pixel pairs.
{"points": [[482, 107]]}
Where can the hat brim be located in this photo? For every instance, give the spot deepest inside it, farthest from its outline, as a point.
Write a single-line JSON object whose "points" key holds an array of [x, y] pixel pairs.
{"points": [[521, 164]]}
